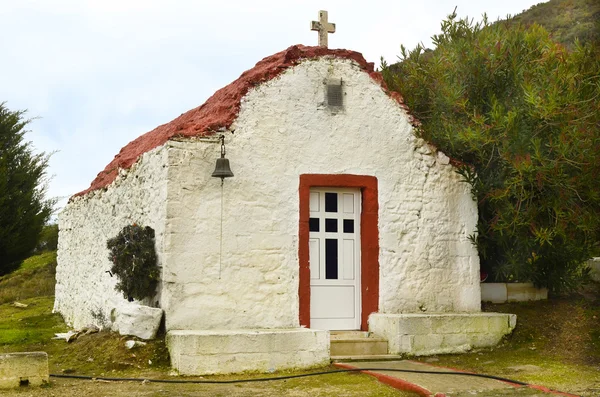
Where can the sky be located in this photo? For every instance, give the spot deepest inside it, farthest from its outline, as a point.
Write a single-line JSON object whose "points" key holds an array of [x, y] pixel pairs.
{"points": [[95, 74]]}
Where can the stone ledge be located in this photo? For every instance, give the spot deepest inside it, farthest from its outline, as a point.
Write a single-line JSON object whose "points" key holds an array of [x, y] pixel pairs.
{"points": [[426, 334], [204, 352], [23, 369]]}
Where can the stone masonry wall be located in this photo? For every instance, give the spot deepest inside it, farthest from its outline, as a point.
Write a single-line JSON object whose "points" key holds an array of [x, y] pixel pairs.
{"points": [[284, 129], [85, 292]]}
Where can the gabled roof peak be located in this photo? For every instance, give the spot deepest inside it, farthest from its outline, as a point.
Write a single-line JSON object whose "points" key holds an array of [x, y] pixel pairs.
{"points": [[221, 109]]}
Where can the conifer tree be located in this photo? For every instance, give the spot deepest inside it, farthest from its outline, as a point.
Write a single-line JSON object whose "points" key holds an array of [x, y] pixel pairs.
{"points": [[23, 207]]}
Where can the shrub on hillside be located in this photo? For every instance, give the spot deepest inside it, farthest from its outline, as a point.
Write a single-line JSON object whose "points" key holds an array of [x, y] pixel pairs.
{"points": [[522, 111]]}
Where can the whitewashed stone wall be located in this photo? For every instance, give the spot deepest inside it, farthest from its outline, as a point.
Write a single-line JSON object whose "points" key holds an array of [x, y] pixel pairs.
{"points": [[427, 263], [84, 290]]}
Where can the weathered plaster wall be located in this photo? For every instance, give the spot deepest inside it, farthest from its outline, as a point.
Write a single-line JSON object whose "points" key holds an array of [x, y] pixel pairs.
{"points": [[84, 290], [284, 130]]}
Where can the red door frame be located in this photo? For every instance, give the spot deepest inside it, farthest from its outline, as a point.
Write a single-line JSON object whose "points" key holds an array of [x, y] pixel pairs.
{"points": [[369, 240]]}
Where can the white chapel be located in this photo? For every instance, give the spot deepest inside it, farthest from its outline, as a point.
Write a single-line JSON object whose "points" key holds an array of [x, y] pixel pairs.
{"points": [[337, 217]]}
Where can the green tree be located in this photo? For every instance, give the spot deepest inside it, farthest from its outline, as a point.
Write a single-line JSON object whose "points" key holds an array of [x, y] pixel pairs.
{"points": [[23, 209], [523, 112], [48, 240]]}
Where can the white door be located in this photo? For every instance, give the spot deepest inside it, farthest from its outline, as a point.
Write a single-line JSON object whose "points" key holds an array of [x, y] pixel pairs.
{"points": [[334, 254]]}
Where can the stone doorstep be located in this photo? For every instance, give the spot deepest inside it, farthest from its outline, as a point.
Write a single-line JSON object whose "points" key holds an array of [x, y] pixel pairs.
{"points": [[358, 346], [335, 335], [375, 357], [23, 369]]}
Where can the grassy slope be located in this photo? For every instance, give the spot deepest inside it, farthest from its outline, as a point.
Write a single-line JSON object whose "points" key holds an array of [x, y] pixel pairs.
{"points": [[567, 20], [560, 336], [103, 354]]}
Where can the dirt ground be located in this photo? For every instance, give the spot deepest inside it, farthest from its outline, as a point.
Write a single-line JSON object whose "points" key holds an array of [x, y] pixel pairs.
{"points": [[328, 385]]}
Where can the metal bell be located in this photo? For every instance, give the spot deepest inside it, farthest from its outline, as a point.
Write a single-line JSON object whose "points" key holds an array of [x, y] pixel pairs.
{"points": [[222, 169]]}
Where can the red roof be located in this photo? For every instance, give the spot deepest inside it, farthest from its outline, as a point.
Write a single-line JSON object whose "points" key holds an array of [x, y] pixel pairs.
{"points": [[221, 109]]}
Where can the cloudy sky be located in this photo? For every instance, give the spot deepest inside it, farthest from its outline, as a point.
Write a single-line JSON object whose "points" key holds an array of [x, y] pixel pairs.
{"points": [[95, 74]]}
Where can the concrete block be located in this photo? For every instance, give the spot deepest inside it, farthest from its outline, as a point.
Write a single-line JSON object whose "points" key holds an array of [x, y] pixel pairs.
{"points": [[203, 352], [521, 292], [23, 369], [446, 332], [494, 292], [511, 292], [428, 342], [459, 323], [594, 265], [485, 339], [502, 323]]}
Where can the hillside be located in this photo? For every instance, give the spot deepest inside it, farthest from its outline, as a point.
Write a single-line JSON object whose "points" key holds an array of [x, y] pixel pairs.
{"points": [[566, 20]]}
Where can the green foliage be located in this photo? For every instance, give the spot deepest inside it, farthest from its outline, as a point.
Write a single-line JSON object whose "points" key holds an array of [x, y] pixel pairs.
{"points": [[567, 20], [524, 113], [23, 209], [134, 262], [48, 239], [35, 277]]}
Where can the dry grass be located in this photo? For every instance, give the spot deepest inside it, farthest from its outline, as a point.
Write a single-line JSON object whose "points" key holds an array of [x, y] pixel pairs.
{"points": [[559, 338], [31, 328]]}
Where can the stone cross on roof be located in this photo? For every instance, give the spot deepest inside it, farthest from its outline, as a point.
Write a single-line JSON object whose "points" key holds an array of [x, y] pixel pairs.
{"points": [[323, 27]]}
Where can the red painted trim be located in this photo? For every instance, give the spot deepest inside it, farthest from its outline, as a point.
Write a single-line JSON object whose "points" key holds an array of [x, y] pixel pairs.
{"points": [[369, 240], [547, 390], [396, 383]]}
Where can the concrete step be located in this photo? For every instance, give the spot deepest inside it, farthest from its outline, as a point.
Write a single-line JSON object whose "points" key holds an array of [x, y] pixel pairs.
{"points": [[334, 335], [376, 357], [358, 346]]}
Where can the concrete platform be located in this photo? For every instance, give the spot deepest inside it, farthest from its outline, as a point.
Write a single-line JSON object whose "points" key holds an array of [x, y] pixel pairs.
{"points": [[443, 333], [206, 352], [512, 292]]}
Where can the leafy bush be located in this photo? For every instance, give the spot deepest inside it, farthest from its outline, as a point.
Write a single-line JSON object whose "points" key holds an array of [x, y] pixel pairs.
{"points": [[134, 262], [522, 111]]}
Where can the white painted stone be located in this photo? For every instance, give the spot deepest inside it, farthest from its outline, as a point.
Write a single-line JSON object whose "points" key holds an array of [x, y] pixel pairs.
{"points": [[230, 351], [428, 334], [511, 292], [85, 292], [594, 265], [137, 320], [494, 292], [130, 344], [442, 158], [522, 292]]}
